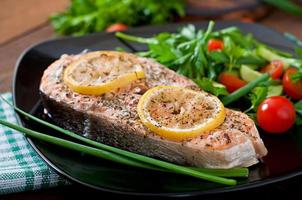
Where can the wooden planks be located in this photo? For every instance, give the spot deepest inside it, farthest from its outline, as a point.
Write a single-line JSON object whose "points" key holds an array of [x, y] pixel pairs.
{"points": [[10, 52], [20, 16], [284, 22]]}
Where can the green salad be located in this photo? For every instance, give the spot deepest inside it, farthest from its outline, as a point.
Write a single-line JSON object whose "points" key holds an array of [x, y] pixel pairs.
{"points": [[243, 72], [88, 16]]}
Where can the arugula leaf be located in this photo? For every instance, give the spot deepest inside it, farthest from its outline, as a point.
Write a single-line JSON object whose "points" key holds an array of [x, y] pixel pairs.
{"points": [[208, 85], [298, 107], [296, 76], [299, 52], [298, 120], [188, 32], [256, 97], [218, 57]]}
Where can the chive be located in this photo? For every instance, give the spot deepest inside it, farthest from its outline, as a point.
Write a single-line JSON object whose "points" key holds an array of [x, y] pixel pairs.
{"points": [[287, 6], [75, 146], [108, 155], [244, 90], [237, 172], [293, 39], [131, 38], [233, 172]]}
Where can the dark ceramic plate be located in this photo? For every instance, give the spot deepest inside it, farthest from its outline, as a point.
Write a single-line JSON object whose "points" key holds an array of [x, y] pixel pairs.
{"points": [[283, 161]]}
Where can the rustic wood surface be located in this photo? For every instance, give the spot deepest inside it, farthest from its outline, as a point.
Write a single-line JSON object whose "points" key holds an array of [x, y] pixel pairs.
{"points": [[25, 22]]}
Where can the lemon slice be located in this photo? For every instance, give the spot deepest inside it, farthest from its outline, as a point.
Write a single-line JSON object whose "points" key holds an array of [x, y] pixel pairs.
{"points": [[177, 113], [98, 72]]}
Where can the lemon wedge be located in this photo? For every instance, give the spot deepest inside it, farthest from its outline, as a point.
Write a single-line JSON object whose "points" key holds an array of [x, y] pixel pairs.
{"points": [[98, 72], [178, 113]]}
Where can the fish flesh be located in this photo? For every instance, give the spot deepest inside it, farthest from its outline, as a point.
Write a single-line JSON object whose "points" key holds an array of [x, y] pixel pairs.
{"points": [[112, 119]]}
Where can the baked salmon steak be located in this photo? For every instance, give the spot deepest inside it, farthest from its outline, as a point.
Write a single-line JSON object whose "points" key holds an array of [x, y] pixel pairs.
{"points": [[109, 113]]}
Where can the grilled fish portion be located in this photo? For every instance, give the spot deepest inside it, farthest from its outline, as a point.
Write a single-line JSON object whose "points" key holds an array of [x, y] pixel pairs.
{"points": [[112, 119]]}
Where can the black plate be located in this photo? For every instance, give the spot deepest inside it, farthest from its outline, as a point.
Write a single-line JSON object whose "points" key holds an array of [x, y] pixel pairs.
{"points": [[283, 161]]}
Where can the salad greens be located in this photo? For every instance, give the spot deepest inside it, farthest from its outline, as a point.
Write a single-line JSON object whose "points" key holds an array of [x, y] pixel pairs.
{"points": [[87, 16], [187, 52], [298, 107]]}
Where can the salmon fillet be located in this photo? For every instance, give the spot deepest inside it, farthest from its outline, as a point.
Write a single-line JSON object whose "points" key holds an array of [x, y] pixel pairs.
{"points": [[112, 119]]}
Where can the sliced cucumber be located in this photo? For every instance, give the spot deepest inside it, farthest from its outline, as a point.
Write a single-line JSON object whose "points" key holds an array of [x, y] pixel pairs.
{"points": [[216, 84], [248, 74], [274, 90], [269, 55]]}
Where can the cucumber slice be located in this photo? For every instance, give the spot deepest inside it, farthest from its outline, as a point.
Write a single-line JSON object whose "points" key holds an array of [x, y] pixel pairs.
{"points": [[275, 90], [248, 74], [270, 56], [216, 84]]}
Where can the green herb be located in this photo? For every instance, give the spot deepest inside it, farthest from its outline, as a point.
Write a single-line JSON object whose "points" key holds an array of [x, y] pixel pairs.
{"points": [[128, 158], [299, 51], [87, 16], [117, 158], [256, 97], [298, 107], [208, 85], [244, 90], [186, 52], [296, 76], [286, 6]]}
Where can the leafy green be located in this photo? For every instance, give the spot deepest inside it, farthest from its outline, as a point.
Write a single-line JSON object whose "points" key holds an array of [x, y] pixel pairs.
{"points": [[296, 76], [186, 52], [257, 96], [299, 52], [87, 16], [298, 107], [208, 85], [299, 120]]}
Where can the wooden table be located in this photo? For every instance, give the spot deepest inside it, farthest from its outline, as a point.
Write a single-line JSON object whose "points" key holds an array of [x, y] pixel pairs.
{"points": [[25, 22]]}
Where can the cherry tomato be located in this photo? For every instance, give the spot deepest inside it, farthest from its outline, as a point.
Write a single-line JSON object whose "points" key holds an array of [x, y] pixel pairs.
{"points": [[247, 20], [231, 81], [291, 88], [117, 27], [276, 114], [275, 69], [215, 45]]}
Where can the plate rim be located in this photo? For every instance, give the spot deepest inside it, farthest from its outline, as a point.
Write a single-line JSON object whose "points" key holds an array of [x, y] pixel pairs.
{"points": [[227, 189]]}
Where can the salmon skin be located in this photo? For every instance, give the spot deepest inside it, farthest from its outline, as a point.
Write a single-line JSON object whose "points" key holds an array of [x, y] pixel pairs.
{"points": [[112, 118]]}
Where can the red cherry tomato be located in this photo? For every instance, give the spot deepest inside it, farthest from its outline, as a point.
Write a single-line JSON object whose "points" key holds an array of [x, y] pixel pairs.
{"points": [[275, 69], [215, 45], [231, 81], [291, 88], [247, 20], [117, 27], [276, 114]]}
